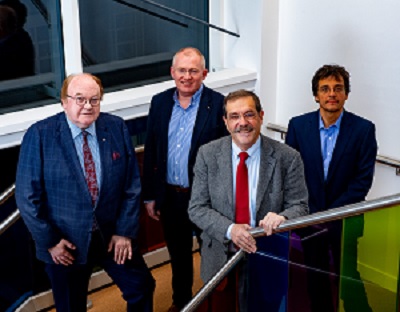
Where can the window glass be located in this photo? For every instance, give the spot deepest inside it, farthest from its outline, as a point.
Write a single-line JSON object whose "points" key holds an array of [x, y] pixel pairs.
{"points": [[131, 42], [31, 58]]}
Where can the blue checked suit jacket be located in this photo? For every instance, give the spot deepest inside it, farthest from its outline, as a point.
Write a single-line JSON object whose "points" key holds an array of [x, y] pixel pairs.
{"points": [[51, 190]]}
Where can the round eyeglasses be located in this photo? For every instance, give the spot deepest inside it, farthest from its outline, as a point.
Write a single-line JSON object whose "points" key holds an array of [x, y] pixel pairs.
{"points": [[81, 101]]}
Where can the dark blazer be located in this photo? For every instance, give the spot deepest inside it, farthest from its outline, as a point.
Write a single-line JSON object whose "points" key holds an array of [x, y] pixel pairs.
{"points": [[281, 189], [352, 166], [209, 126], [51, 190]]}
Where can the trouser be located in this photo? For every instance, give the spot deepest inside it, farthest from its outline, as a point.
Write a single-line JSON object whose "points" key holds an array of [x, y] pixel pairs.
{"points": [[178, 233], [70, 283]]}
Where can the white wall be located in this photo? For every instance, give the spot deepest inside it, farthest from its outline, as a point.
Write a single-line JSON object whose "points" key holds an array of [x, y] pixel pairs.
{"points": [[361, 35]]}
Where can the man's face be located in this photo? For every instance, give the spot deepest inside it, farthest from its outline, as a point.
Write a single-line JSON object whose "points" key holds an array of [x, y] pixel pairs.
{"points": [[243, 122], [331, 94], [85, 87], [188, 73]]}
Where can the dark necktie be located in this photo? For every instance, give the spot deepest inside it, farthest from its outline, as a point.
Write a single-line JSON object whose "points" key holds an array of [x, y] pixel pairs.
{"points": [[90, 169], [242, 191]]}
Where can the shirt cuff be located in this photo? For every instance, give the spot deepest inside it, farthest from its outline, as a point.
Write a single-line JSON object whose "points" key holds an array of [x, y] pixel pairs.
{"points": [[228, 232]]}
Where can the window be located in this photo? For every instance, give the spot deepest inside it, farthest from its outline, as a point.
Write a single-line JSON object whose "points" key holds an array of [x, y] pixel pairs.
{"points": [[31, 58], [129, 43]]}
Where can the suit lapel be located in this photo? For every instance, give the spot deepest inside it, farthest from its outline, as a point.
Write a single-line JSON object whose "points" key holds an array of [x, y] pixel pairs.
{"points": [[104, 141], [201, 119], [267, 165], [63, 135], [314, 142], [342, 141], [224, 161], [164, 120]]}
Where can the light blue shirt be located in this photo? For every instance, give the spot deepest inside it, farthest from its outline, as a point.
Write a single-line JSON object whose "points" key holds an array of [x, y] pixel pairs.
{"points": [[253, 171], [93, 145], [328, 141], [180, 138]]}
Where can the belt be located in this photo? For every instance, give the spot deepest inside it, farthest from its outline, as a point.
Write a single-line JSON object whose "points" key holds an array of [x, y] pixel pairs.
{"points": [[177, 188]]}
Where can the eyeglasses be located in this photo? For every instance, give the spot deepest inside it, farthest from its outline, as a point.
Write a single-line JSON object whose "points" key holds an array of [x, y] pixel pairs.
{"points": [[81, 101], [246, 116], [336, 89], [184, 71]]}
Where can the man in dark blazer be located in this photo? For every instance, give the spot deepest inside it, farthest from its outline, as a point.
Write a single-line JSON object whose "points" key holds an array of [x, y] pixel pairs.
{"points": [[180, 120], [277, 189], [338, 149], [78, 189]]}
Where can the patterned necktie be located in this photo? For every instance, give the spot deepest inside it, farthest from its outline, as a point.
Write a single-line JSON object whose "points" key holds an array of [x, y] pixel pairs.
{"points": [[242, 191], [90, 169]]}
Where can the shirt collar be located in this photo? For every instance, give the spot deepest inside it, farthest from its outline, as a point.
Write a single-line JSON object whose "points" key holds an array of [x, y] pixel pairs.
{"points": [[195, 98], [251, 151], [336, 124], [75, 130]]}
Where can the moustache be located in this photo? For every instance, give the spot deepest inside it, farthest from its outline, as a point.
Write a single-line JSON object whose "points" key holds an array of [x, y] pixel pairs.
{"points": [[246, 128]]}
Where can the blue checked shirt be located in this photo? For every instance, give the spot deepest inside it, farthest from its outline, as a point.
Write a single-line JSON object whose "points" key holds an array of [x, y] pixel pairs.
{"points": [[328, 141], [93, 144], [179, 139]]}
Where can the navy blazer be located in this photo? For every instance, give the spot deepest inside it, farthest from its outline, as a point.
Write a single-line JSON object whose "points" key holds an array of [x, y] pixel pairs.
{"points": [[352, 166], [51, 190], [209, 126]]}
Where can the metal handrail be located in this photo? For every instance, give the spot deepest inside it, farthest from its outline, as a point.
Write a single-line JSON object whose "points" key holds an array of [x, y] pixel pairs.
{"points": [[312, 219], [165, 18], [7, 194], [195, 19], [11, 219], [384, 160]]}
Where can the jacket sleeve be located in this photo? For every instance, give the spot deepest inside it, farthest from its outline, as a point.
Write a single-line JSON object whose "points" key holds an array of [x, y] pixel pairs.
{"points": [[295, 196], [201, 211], [30, 192], [290, 138], [128, 219], [150, 156], [360, 185]]}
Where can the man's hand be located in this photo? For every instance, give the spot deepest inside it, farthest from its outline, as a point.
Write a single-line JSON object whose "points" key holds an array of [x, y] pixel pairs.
{"points": [[242, 238], [271, 221], [60, 253], [122, 248], [151, 210]]}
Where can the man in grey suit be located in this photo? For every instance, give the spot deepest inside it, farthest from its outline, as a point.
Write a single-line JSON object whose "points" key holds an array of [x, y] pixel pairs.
{"points": [[276, 185]]}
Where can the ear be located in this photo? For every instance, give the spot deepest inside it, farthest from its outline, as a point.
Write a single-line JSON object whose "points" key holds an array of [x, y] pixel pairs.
{"points": [[316, 98], [172, 72], [205, 72], [226, 122], [262, 115]]}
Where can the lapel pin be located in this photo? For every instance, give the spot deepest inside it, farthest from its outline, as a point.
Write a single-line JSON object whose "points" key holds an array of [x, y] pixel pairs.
{"points": [[104, 139]]}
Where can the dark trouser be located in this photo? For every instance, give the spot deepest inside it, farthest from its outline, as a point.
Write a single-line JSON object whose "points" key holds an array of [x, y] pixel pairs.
{"points": [[232, 293], [70, 283], [178, 233]]}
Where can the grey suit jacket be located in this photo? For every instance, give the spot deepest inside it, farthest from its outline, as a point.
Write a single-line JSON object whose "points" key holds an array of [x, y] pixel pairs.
{"points": [[281, 189]]}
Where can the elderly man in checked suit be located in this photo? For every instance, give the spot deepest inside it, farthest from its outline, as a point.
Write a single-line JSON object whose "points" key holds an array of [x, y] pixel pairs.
{"points": [[276, 186], [78, 192]]}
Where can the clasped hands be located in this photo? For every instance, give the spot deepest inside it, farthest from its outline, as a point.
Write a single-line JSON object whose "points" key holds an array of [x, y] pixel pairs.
{"points": [[242, 238], [61, 253]]}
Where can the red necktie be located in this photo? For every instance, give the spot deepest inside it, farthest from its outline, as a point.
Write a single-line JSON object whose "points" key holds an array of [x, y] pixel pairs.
{"points": [[90, 169], [242, 191]]}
